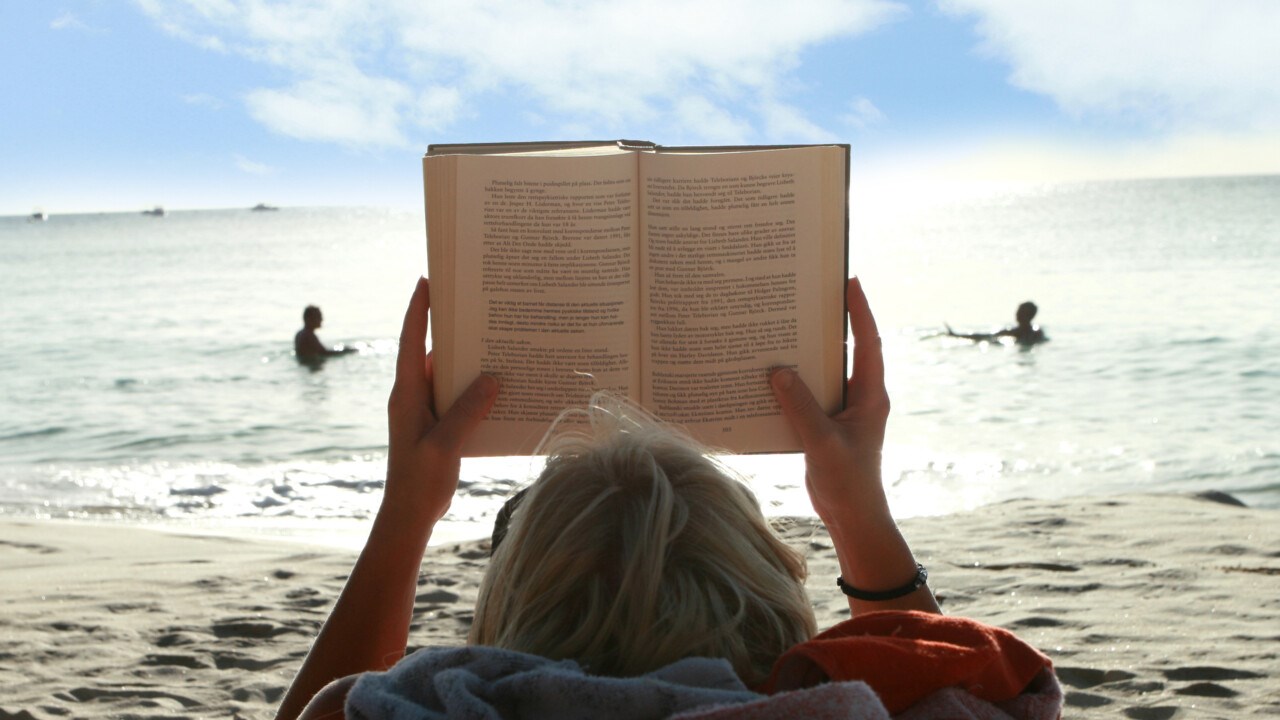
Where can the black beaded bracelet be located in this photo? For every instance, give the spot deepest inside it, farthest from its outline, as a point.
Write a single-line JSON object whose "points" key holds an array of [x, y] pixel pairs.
{"points": [[922, 576]]}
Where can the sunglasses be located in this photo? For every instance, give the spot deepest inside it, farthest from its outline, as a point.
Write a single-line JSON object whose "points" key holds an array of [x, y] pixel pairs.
{"points": [[504, 517]]}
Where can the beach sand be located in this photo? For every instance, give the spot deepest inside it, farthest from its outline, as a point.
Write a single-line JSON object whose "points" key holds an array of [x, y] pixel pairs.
{"points": [[1150, 606]]}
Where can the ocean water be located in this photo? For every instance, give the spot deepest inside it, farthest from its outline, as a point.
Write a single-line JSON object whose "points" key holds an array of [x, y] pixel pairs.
{"points": [[146, 373]]}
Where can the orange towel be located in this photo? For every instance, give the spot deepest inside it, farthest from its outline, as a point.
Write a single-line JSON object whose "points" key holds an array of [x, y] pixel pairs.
{"points": [[905, 656]]}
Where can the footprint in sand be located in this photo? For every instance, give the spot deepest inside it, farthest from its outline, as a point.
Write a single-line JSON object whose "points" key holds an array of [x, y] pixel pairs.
{"points": [[259, 692], [1206, 689], [437, 597], [186, 661], [29, 547], [90, 694], [240, 661], [1084, 678], [254, 629], [1086, 700], [1210, 673], [1159, 712], [1036, 621], [173, 637], [1202, 680]]}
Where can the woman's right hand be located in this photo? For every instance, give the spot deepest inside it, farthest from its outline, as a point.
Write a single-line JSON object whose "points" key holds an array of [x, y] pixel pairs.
{"points": [[842, 455], [843, 452]]}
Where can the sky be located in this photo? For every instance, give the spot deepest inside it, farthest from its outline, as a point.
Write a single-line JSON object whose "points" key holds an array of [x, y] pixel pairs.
{"points": [[121, 105]]}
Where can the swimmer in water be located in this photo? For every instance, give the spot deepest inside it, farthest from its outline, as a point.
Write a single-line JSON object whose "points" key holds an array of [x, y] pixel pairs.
{"points": [[1024, 333], [306, 346]]}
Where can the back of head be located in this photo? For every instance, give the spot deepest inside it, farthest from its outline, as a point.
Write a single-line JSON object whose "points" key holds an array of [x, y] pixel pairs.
{"points": [[1026, 312], [633, 549]]}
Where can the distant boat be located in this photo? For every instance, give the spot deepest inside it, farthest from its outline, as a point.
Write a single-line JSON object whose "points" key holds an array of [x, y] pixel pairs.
{"points": [[156, 211], [263, 207], [38, 216]]}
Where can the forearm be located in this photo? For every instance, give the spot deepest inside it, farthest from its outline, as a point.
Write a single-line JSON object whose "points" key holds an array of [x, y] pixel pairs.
{"points": [[368, 627], [873, 554], [879, 564]]}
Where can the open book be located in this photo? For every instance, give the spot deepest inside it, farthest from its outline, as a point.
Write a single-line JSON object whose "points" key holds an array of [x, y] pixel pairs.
{"points": [[674, 276]]}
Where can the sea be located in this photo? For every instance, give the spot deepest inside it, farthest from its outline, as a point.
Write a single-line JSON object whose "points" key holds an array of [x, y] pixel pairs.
{"points": [[147, 372]]}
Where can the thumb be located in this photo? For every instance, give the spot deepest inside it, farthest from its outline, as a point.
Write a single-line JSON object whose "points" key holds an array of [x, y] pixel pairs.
{"points": [[467, 411], [798, 404]]}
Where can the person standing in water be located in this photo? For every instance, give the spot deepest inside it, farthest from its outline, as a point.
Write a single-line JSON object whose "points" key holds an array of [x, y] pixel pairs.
{"points": [[306, 346], [1024, 333]]}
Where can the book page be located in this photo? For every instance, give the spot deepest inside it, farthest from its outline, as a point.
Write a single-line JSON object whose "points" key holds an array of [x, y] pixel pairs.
{"points": [[545, 269], [744, 264]]}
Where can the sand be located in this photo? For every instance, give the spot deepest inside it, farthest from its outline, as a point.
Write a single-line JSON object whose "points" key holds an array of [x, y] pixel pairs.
{"points": [[1150, 606]]}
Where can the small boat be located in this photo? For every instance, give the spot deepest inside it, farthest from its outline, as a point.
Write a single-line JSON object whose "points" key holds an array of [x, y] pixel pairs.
{"points": [[263, 207], [38, 216], [156, 211]]}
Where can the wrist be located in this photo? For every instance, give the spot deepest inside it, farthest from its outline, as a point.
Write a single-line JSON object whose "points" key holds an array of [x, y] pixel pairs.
{"points": [[855, 535], [398, 530], [900, 591], [416, 496], [413, 507], [852, 511]]}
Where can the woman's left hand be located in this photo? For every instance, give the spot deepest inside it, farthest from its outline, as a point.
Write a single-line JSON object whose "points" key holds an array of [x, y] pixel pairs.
{"points": [[425, 451], [368, 628]]}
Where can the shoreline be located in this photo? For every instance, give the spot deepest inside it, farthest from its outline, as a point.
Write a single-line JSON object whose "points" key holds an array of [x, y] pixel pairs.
{"points": [[1151, 606]]}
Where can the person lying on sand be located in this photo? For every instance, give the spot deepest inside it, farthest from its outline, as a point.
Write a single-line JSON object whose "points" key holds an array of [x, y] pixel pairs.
{"points": [[636, 578], [1024, 333]]}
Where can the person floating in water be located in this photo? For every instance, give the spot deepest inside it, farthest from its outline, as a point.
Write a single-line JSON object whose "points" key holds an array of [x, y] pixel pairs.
{"points": [[306, 346], [1024, 333]]}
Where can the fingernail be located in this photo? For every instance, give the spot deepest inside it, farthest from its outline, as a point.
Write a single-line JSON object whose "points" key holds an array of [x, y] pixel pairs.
{"points": [[783, 378], [486, 386]]}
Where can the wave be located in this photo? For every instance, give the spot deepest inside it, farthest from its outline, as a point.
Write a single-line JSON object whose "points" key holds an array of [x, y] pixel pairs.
{"points": [[325, 451], [30, 434], [206, 491], [163, 441], [1259, 373], [357, 485]]}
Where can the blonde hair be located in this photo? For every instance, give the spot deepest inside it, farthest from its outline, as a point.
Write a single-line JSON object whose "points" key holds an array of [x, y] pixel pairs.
{"points": [[634, 549]]}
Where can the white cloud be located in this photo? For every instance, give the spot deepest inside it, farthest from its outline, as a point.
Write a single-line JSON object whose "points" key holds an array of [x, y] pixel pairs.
{"points": [[355, 110], [863, 114], [1171, 64], [785, 121], [437, 107], [71, 21], [601, 64], [252, 167], [68, 21], [202, 100], [710, 123], [177, 27]]}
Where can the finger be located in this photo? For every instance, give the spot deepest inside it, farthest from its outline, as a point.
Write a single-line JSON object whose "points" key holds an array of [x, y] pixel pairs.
{"points": [[798, 404], [412, 357], [429, 392], [409, 408], [868, 358], [467, 412]]}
